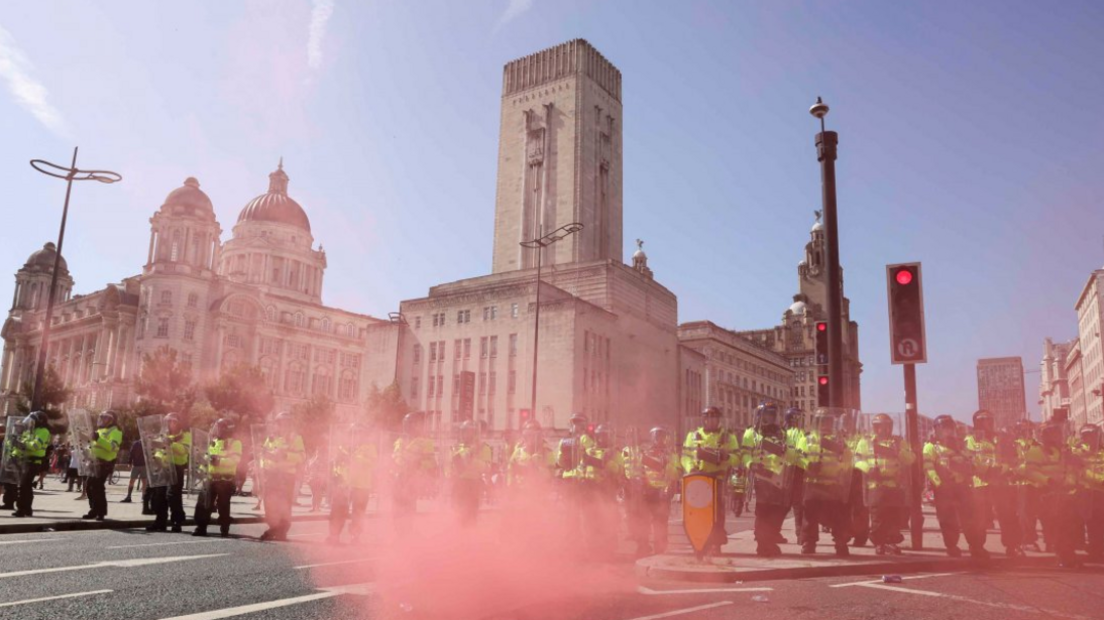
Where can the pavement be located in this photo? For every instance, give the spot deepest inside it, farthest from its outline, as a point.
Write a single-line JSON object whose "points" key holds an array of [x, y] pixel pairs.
{"points": [[739, 563]]}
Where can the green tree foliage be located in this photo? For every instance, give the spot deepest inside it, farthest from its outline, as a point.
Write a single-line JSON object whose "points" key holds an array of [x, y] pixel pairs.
{"points": [[165, 384], [241, 390], [386, 407], [313, 418], [54, 396]]}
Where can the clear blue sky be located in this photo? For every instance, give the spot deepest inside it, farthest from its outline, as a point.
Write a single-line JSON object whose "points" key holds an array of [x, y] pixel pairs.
{"points": [[970, 139]]}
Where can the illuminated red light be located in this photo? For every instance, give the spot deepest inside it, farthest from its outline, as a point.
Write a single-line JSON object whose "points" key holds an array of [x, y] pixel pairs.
{"points": [[823, 380], [904, 277], [822, 327]]}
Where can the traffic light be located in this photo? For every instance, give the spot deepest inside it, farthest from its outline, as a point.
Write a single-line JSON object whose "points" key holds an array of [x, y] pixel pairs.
{"points": [[822, 343], [523, 415], [906, 314], [822, 391]]}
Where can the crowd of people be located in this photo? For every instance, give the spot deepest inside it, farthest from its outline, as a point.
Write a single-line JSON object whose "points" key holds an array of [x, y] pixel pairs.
{"points": [[856, 486]]}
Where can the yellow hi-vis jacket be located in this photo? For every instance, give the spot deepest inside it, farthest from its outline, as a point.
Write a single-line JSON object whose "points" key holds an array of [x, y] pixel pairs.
{"points": [[1045, 467], [106, 442], [772, 453], [657, 469], [414, 455], [32, 445], [530, 462], [355, 466], [989, 467], [945, 464], [1092, 468], [180, 447], [885, 462], [710, 453], [224, 456], [569, 455], [470, 462], [825, 458], [283, 455]]}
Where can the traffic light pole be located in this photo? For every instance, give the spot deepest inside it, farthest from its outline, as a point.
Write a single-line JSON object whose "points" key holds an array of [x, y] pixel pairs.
{"points": [[826, 154], [912, 423]]}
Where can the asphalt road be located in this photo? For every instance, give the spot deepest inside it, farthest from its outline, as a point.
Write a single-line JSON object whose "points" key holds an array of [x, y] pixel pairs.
{"points": [[134, 575]]}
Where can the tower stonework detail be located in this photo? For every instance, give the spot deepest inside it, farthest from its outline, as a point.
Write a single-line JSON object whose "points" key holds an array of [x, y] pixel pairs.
{"points": [[559, 157]]}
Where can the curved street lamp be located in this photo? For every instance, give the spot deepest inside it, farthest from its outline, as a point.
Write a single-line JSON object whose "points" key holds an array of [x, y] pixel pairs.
{"points": [[70, 174]]}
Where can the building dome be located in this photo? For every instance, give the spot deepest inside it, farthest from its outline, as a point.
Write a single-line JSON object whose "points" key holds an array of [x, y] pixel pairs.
{"points": [[276, 206], [817, 227], [798, 308], [189, 195], [43, 260]]}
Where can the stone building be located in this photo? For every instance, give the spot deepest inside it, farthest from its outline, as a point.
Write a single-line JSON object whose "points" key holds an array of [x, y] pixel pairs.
{"points": [[794, 338], [1090, 326], [607, 342], [1078, 410], [1001, 390], [255, 299], [1054, 383]]}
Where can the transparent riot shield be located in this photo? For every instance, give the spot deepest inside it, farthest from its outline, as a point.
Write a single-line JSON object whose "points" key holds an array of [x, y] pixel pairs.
{"points": [[12, 464], [153, 433], [887, 478], [199, 465], [828, 467], [80, 435], [258, 433], [772, 470]]}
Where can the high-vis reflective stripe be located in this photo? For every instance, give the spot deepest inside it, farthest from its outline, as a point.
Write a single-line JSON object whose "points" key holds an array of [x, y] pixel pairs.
{"points": [[944, 464], [105, 445], [883, 461], [721, 443], [229, 454], [283, 455]]}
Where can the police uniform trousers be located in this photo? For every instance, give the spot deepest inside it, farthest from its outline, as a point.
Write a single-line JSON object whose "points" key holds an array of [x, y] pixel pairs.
{"points": [[771, 506], [221, 490], [25, 498], [347, 504], [649, 510], [888, 516], [596, 503], [1028, 509], [465, 499], [860, 515], [1000, 499], [798, 502], [834, 514], [954, 511], [96, 487], [168, 502], [279, 495], [1061, 522], [11, 491]]}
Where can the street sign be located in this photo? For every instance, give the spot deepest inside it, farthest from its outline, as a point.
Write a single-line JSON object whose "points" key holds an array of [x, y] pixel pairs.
{"points": [[907, 344]]}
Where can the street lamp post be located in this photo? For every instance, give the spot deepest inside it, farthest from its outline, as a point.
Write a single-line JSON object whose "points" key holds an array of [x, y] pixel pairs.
{"points": [[539, 244], [826, 154], [70, 174]]}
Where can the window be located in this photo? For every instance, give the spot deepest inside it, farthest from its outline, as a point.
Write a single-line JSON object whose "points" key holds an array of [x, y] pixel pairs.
{"points": [[513, 345], [511, 382], [440, 385], [463, 316], [513, 311], [350, 360], [467, 348], [299, 319], [456, 348], [189, 330], [325, 356], [430, 386], [414, 387], [298, 351], [483, 347], [432, 357], [323, 381], [441, 351], [166, 297], [186, 361], [490, 313], [417, 322], [295, 380], [163, 327], [494, 346], [491, 383], [417, 353], [435, 321], [347, 386], [268, 371], [193, 300], [482, 383]]}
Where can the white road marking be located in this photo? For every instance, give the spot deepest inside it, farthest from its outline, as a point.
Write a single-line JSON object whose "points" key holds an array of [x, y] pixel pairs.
{"points": [[230, 612], [878, 581], [651, 592], [307, 535], [1009, 606], [688, 610], [162, 544], [54, 598], [35, 540], [114, 563], [332, 563]]}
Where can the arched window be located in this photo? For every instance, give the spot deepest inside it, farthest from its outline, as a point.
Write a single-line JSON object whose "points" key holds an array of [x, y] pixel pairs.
{"points": [[270, 313], [299, 319], [166, 297], [268, 370], [326, 327], [177, 241], [295, 379], [347, 387], [322, 384]]}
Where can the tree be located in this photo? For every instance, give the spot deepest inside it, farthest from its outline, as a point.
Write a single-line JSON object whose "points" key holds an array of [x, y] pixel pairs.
{"points": [[164, 383], [386, 407], [54, 395], [242, 390], [313, 418]]}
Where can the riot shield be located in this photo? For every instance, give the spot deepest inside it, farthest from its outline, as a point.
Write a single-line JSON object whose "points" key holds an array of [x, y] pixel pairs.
{"points": [[701, 495], [11, 463], [772, 471], [887, 481], [80, 436], [258, 434], [827, 458], [199, 465], [153, 433]]}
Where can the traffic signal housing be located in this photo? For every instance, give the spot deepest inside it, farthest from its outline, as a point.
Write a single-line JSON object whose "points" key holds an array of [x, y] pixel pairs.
{"points": [[906, 314], [821, 333], [822, 391]]}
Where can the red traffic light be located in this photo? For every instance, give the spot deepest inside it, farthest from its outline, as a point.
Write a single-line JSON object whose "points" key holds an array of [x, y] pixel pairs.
{"points": [[823, 380], [904, 277], [590, 428], [822, 327], [524, 414]]}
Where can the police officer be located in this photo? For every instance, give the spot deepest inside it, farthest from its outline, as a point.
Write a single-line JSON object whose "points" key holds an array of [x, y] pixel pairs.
{"points": [[282, 453], [30, 448], [793, 422], [354, 467], [1090, 453], [531, 461], [652, 473], [860, 514], [598, 478], [168, 502], [950, 471], [469, 462], [770, 459], [571, 449], [827, 461], [885, 461], [415, 466], [105, 449], [712, 450], [1051, 469], [224, 453], [994, 459], [1027, 493]]}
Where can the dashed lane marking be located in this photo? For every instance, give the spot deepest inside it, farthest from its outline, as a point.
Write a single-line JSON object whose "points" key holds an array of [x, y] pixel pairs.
{"points": [[34, 540], [359, 561], [113, 563], [688, 610], [1008, 606], [163, 544], [878, 581], [651, 592], [54, 598], [230, 612]]}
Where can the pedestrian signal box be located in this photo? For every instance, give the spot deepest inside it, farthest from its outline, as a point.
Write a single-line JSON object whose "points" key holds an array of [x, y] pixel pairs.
{"points": [[906, 314], [821, 343], [467, 394]]}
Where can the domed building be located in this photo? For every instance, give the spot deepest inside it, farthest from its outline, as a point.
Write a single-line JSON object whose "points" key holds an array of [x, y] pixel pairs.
{"points": [[255, 299]]}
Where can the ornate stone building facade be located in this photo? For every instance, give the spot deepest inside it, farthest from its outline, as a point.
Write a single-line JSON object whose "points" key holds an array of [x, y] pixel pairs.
{"points": [[1054, 380], [255, 299], [1090, 330], [1001, 389]]}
